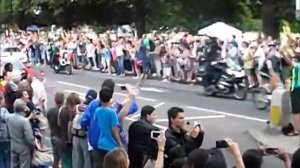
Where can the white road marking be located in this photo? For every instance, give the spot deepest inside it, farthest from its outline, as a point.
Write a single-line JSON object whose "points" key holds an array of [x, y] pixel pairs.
{"points": [[158, 126], [151, 89], [73, 84], [116, 93], [195, 118], [136, 115], [227, 114], [160, 104]]}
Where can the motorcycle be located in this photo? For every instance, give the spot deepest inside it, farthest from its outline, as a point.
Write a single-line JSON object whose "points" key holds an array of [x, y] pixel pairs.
{"points": [[63, 62], [221, 80]]}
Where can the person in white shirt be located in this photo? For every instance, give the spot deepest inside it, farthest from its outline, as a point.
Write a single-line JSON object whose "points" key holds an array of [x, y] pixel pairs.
{"points": [[39, 93], [91, 54], [120, 57]]}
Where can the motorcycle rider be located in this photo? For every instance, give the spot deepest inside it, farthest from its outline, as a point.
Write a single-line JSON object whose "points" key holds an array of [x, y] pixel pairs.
{"points": [[211, 53]]}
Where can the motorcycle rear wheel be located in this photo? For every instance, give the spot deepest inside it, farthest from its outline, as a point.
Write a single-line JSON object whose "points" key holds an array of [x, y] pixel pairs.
{"points": [[259, 98], [240, 92]]}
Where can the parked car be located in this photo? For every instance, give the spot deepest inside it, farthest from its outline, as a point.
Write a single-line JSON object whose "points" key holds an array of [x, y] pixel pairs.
{"points": [[18, 67], [13, 53]]}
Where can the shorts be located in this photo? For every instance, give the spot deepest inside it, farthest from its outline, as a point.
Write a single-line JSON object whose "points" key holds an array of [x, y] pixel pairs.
{"points": [[167, 71], [295, 101]]}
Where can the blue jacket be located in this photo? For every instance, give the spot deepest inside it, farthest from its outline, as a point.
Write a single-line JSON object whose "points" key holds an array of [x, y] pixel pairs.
{"points": [[89, 124]]}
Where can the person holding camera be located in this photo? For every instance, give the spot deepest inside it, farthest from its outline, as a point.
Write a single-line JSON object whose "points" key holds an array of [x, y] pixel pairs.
{"points": [[214, 158], [180, 142], [141, 148], [254, 157], [22, 139]]}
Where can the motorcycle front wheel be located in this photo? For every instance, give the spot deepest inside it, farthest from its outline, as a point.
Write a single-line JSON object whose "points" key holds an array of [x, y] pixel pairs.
{"points": [[260, 98], [240, 92]]}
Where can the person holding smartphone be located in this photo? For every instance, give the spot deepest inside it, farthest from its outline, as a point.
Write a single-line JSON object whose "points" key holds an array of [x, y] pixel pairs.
{"points": [[142, 148], [179, 139]]}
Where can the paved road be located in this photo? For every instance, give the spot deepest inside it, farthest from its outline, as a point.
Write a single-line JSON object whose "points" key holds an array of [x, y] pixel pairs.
{"points": [[221, 117]]}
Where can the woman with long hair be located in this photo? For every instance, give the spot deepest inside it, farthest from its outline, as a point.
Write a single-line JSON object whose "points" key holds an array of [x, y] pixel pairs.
{"points": [[117, 158], [66, 115]]}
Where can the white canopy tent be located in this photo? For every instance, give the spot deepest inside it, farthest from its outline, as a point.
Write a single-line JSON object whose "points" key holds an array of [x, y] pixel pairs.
{"points": [[222, 31]]}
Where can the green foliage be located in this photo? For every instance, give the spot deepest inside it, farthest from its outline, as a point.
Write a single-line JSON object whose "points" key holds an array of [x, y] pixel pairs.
{"points": [[191, 14]]}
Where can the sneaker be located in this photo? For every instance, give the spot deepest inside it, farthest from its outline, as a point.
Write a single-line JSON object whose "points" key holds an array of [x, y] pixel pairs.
{"points": [[95, 69]]}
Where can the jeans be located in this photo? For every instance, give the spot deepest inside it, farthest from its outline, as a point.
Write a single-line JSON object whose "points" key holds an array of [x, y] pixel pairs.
{"points": [[121, 64], [21, 160], [80, 153], [4, 155]]}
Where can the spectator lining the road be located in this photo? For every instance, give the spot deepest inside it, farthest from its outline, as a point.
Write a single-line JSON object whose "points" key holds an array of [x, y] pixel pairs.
{"points": [[52, 116], [22, 139], [141, 148], [116, 158], [65, 117], [87, 122], [4, 134], [253, 158], [80, 154], [107, 121], [176, 136]]}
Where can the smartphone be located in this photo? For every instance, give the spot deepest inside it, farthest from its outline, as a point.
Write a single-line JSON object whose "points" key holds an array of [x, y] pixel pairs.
{"points": [[190, 125], [155, 134], [123, 88], [271, 151], [221, 144]]}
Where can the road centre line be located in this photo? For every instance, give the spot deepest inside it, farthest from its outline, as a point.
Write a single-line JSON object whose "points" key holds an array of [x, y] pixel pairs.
{"points": [[196, 118], [116, 93], [227, 114]]}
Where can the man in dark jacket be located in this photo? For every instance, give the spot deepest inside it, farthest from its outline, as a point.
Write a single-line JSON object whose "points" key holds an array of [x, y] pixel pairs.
{"points": [[177, 138], [141, 147]]}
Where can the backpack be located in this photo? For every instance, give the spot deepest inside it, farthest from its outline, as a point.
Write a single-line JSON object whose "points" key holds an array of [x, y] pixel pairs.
{"points": [[77, 130], [4, 132]]}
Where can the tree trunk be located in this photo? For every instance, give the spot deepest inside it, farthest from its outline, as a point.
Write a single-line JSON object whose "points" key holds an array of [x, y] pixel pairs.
{"points": [[271, 20], [140, 17]]}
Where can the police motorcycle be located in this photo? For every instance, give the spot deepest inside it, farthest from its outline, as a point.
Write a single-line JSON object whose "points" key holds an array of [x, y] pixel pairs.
{"points": [[221, 80], [62, 62]]}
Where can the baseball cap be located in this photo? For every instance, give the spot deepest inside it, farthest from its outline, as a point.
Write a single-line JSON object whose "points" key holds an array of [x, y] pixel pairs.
{"points": [[20, 105], [109, 84], [90, 96]]}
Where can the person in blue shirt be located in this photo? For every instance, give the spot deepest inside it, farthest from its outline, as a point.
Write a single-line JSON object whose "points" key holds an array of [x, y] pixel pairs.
{"points": [[108, 122], [92, 128]]}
